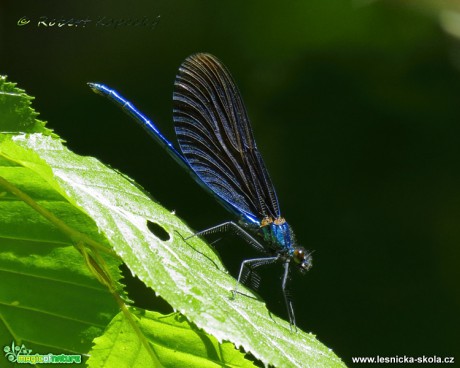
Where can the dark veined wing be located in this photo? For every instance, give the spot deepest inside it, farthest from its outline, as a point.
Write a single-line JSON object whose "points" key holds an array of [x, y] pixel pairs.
{"points": [[216, 138]]}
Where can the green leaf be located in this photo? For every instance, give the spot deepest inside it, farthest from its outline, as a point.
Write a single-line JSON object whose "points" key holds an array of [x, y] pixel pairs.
{"points": [[177, 342], [16, 114], [46, 289], [188, 274], [49, 300]]}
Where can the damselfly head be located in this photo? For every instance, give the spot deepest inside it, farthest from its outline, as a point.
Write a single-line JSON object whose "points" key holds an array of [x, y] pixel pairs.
{"points": [[302, 258]]}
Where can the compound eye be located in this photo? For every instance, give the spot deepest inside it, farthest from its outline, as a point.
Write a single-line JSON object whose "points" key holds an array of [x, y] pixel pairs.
{"points": [[299, 255]]}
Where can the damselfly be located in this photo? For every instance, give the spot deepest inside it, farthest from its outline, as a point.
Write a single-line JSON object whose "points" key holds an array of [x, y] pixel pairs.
{"points": [[219, 151]]}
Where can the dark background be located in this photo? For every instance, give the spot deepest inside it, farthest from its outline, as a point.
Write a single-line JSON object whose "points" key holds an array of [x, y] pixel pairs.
{"points": [[356, 109]]}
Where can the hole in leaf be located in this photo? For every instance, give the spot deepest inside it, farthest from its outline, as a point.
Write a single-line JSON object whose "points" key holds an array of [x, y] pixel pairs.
{"points": [[158, 231]]}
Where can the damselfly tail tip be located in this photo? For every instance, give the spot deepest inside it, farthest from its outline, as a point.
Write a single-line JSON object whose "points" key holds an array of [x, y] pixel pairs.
{"points": [[96, 87]]}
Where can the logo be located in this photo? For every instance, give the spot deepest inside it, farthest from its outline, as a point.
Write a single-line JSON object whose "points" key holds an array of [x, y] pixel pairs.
{"points": [[21, 355]]}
